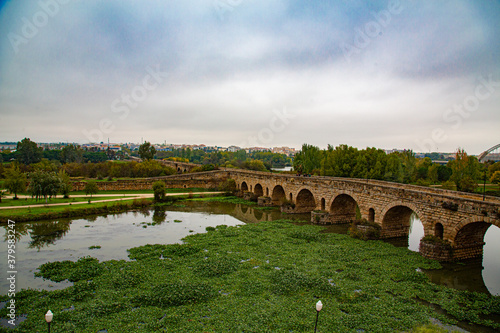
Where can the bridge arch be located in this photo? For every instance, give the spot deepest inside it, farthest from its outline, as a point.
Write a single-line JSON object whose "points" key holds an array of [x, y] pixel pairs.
{"points": [[396, 219], [475, 219], [468, 238], [371, 215], [343, 208], [258, 190], [244, 186], [305, 202], [439, 230], [278, 195]]}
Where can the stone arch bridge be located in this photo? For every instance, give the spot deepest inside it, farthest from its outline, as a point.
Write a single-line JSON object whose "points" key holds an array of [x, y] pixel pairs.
{"points": [[460, 218]]}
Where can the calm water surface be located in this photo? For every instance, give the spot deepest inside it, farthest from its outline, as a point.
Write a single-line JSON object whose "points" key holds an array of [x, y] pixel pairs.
{"points": [[41, 242]]}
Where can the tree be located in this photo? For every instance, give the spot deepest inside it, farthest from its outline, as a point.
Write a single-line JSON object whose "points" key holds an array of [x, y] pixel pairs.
{"points": [[15, 180], [147, 151], [28, 152], [65, 184], [465, 171], [43, 184], [308, 159], [91, 188], [159, 190], [71, 153], [495, 178]]}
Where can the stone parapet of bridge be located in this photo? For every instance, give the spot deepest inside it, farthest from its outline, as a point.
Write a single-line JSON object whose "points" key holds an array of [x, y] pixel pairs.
{"points": [[459, 218]]}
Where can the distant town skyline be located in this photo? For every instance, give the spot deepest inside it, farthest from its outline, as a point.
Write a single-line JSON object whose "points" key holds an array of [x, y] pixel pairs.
{"points": [[388, 74]]}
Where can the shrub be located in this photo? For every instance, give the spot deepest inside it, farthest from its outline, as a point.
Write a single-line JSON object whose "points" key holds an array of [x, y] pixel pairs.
{"points": [[287, 203], [159, 190], [228, 186], [371, 230]]}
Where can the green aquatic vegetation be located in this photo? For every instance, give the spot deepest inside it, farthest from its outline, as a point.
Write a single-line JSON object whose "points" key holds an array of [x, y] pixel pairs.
{"points": [[94, 247], [175, 294], [215, 266], [262, 277]]}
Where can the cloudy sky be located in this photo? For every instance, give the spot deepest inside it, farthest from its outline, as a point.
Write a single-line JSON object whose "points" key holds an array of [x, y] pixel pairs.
{"points": [[422, 75]]}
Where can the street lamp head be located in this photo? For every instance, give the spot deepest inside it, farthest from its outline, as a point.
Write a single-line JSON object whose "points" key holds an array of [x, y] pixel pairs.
{"points": [[48, 316], [319, 306]]}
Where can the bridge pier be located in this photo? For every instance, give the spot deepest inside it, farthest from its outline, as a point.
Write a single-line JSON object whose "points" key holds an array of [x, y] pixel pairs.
{"points": [[468, 251]]}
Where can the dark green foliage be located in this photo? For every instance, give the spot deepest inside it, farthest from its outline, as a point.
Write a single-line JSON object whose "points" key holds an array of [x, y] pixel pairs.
{"points": [[147, 151], [91, 188], [148, 252], [368, 230], [307, 235], [159, 190], [177, 293], [126, 279], [266, 277], [228, 186], [56, 271], [216, 266], [28, 152], [85, 269]]}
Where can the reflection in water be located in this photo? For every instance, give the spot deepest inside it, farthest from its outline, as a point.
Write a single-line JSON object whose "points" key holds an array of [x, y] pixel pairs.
{"points": [[416, 233], [465, 276], [481, 275], [159, 215], [45, 234]]}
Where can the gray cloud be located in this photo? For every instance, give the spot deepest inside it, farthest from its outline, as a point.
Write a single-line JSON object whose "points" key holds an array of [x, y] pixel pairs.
{"points": [[227, 70]]}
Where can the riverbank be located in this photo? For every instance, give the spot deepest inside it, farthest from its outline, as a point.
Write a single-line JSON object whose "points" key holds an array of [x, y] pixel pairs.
{"points": [[255, 277], [110, 203]]}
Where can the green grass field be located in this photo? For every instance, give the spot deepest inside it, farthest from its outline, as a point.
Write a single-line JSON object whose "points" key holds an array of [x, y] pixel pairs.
{"points": [[60, 199], [264, 277]]}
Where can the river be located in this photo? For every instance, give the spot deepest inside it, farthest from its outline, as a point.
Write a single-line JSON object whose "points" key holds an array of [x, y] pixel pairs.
{"points": [[65, 239]]}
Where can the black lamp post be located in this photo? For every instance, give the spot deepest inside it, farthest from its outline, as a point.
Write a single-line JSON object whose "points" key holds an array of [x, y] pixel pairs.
{"points": [[48, 318], [319, 306]]}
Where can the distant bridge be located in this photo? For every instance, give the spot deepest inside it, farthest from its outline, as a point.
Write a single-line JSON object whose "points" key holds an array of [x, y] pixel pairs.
{"points": [[460, 218], [482, 156]]}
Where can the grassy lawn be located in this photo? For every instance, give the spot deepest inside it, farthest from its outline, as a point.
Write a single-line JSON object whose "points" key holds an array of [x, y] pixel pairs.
{"points": [[264, 277], [29, 201], [51, 212], [168, 190]]}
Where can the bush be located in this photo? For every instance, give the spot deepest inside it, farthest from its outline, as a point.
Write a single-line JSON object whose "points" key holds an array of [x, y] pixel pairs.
{"points": [[228, 186], [287, 203], [159, 190], [372, 230]]}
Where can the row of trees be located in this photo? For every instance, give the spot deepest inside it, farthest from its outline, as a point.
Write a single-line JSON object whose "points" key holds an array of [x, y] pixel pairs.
{"points": [[42, 184], [100, 170], [238, 159], [344, 161], [27, 152]]}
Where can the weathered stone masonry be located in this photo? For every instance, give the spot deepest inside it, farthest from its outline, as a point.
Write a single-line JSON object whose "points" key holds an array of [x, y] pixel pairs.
{"points": [[459, 218]]}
